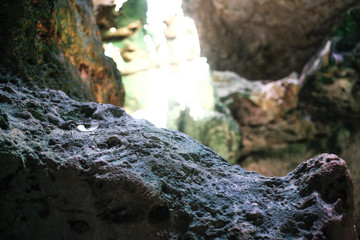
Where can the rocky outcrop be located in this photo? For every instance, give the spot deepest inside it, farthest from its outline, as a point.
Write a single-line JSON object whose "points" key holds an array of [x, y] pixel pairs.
{"points": [[331, 81], [276, 134], [75, 170], [166, 80], [282, 121], [57, 44], [263, 39], [124, 178]]}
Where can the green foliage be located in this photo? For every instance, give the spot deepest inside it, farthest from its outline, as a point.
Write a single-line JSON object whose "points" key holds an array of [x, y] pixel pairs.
{"points": [[131, 11], [348, 32]]}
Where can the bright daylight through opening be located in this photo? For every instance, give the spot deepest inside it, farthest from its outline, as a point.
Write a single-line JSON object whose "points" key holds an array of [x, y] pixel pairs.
{"points": [[163, 73]]}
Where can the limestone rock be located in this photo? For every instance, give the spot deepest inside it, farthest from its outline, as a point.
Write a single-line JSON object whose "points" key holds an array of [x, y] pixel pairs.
{"points": [[128, 179], [282, 121], [331, 81], [166, 80], [57, 44], [276, 135], [263, 39], [331, 78]]}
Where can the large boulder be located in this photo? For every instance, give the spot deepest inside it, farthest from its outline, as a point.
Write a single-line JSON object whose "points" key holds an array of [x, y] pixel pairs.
{"points": [[57, 44], [74, 170], [263, 39]]}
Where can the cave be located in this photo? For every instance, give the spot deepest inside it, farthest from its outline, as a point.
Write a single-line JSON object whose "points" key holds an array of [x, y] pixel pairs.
{"points": [[203, 119]]}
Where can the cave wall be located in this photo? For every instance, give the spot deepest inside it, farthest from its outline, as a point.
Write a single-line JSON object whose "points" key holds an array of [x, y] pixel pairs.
{"points": [[302, 115], [263, 39], [276, 134], [125, 178], [166, 80], [57, 44], [331, 93]]}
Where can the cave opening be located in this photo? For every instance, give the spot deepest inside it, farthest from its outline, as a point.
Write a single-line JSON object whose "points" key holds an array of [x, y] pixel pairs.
{"points": [[256, 123], [166, 80], [158, 54], [85, 168]]}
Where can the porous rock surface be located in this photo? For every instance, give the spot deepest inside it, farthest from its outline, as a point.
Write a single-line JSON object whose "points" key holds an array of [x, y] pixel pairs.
{"points": [[263, 39], [130, 180]]}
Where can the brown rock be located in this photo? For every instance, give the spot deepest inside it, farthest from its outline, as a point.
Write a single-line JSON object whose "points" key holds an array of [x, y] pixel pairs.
{"points": [[276, 134], [57, 44], [263, 39]]}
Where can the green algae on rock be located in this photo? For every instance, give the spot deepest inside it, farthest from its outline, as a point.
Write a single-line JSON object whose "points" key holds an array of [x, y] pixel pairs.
{"points": [[56, 44]]}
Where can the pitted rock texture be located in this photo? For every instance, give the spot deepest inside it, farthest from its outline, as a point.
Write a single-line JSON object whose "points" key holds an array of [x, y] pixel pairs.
{"points": [[263, 39], [56, 44], [130, 180]]}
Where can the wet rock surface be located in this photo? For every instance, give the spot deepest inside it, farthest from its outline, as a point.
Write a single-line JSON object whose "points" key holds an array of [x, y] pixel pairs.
{"points": [[263, 39], [57, 44], [128, 179]]}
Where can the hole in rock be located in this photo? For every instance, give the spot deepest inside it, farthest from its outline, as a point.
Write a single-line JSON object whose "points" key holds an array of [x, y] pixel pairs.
{"points": [[79, 226], [159, 214], [113, 141], [123, 214]]}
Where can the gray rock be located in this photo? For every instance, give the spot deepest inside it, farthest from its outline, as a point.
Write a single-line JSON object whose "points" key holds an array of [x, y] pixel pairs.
{"points": [[130, 180]]}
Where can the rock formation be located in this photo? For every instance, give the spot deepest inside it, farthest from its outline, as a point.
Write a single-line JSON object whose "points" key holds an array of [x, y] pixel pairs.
{"points": [[84, 170], [166, 80], [125, 178], [332, 81], [263, 39], [276, 134], [282, 121], [57, 44]]}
